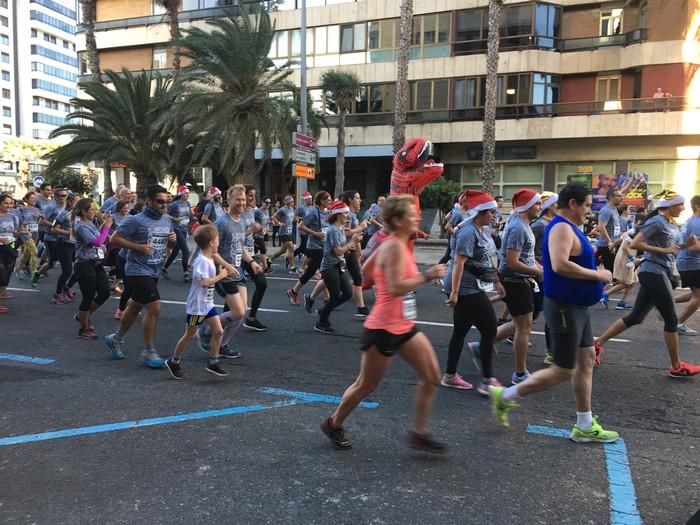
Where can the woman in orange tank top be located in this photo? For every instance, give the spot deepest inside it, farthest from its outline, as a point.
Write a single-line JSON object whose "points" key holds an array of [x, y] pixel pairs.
{"points": [[390, 328]]}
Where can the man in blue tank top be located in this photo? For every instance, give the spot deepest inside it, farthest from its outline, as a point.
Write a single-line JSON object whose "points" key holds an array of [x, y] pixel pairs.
{"points": [[572, 283]]}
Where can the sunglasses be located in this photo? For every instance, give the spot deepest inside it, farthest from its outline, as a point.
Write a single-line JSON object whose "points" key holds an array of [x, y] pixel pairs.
{"points": [[160, 202], [61, 195], [267, 202]]}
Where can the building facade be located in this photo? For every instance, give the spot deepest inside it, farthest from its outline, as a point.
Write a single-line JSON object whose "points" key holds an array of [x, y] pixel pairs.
{"points": [[585, 89]]}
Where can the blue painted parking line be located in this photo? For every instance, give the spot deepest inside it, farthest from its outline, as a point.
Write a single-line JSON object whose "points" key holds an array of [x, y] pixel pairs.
{"points": [[623, 500], [27, 359], [297, 398]]}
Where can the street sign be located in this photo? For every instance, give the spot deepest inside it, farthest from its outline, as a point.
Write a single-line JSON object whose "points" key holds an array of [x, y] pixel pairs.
{"points": [[306, 172], [302, 156], [38, 181], [304, 141]]}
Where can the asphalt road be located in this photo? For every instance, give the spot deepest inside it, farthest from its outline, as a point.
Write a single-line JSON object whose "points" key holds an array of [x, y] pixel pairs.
{"points": [[235, 452]]}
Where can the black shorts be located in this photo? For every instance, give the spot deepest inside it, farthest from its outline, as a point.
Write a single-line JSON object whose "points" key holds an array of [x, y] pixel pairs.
{"points": [[607, 257], [224, 288], [286, 238], [569, 329], [385, 342], [690, 279], [144, 289], [260, 245], [520, 298]]}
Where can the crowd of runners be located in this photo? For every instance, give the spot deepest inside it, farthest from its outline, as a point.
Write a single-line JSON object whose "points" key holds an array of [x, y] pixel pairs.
{"points": [[537, 260]]}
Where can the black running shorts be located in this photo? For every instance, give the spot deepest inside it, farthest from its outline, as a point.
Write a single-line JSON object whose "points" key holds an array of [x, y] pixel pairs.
{"points": [[286, 238], [145, 289], [569, 328], [519, 298], [385, 342], [690, 279]]}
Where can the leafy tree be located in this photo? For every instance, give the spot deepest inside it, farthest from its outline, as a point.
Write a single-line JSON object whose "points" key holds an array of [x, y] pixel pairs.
{"points": [[71, 179], [440, 194]]}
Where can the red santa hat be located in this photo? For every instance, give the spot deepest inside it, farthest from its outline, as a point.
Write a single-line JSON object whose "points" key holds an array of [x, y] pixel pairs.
{"points": [[214, 191], [479, 201], [182, 189], [307, 195], [338, 206], [525, 199]]}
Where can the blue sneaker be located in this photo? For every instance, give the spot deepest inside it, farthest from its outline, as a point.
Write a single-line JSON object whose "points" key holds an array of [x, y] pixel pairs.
{"points": [[227, 353], [622, 305], [151, 359], [516, 378], [605, 300], [115, 347], [475, 350]]}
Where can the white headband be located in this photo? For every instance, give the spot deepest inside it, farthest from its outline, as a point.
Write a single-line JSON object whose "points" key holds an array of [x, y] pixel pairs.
{"points": [[344, 209], [529, 204], [489, 205], [552, 200], [667, 203]]}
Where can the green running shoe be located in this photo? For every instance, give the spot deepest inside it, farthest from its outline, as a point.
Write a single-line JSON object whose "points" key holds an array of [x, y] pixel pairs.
{"points": [[548, 358], [595, 434], [500, 406]]}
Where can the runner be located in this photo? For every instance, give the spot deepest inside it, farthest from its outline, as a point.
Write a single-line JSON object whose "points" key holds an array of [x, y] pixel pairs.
{"points": [[660, 240], [110, 202], [390, 328], [43, 199], [457, 214], [113, 259], [688, 263], [373, 216], [301, 211], [89, 269], [181, 214], [213, 208], [200, 304], [30, 216], [262, 217], [146, 236], [333, 269], [48, 215], [284, 217], [255, 273], [572, 283], [472, 272], [62, 229], [10, 230], [609, 232], [625, 269]]}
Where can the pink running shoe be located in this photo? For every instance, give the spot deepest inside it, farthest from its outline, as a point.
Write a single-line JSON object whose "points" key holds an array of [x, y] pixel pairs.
{"points": [[455, 381], [485, 386], [60, 299], [118, 313], [293, 297], [69, 293]]}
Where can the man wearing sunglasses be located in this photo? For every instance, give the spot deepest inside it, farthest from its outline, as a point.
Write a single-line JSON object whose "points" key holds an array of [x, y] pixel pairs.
{"points": [[147, 237]]}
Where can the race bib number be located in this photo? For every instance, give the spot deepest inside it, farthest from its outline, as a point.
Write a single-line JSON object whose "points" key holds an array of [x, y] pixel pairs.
{"points": [[616, 231], [485, 286], [100, 252], [324, 231], [33, 227], [237, 260], [210, 295], [184, 221], [535, 286], [250, 243], [159, 241], [410, 311]]}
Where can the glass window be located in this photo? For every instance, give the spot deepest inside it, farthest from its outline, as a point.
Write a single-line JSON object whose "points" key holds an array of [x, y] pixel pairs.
{"points": [[333, 39], [7, 129], [283, 44], [465, 93], [346, 38], [6, 111], [545, 89], [611, 22], [296, 42], [5, 57], [361, 102], [158, 8], [373, 41], [443, 27], [441, 94], [382, 98], [359, 42], [608, 88], [5, 93], [547, 24], [429, 29], [321, 35], [5, 75], [160, 58], [423, 94], [389, 33], [415, 30], [469, 25], [352, 38], [5, 40], [517, 20]]}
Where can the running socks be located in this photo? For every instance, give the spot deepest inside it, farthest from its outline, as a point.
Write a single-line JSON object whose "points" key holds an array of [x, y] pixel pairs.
{"points": [[511, 394], [584, 420]]}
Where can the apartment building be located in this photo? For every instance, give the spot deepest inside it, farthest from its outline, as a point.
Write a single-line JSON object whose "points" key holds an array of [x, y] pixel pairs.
{"points": [[577, 90]]}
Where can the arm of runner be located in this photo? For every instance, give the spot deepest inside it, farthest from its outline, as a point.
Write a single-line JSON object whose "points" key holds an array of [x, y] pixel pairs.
{"points": [[229, 267], [120, 241], [561, 244], [639, 243], [391, 257], [457, 272], [341, 250], [513, 262]]}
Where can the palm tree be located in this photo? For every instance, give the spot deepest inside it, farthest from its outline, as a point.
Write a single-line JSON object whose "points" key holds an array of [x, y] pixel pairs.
{"points": [[488, 170], [226, 91], [341, 88], [171, 7], [405, 29], [120, 123]]}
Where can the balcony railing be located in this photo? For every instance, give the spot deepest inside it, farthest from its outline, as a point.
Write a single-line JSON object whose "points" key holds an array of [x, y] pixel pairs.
{"points": [[576, 44]]}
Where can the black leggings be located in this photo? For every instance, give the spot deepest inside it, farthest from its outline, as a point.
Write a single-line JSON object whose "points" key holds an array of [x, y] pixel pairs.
{"points": [[128, 291], [353, 265], [260, 282], [315, 258], [8, 256], [93, 282], [64, 254], [180, 246], [301, 249], [473, 310], [339, 289], [448, 253], [654, 290]]}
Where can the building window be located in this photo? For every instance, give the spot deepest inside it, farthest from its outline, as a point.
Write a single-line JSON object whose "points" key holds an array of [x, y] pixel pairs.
{"points": [[160, 58], [611, 22], [6, 111], [53, 88], [55, 6], [49, 38], [34, 33], [547, 25], [51, 21], [66, 44], [43, 118], [7, 129], [5, 75], [608, 88], [545, 89], [36, 101], [54, 71], [384, 34], [382, 98], [516, 27], [5, 57], [464, 95], [471, 28], [5, 40], [508, 178], [3, 3], [5, 93], [157, 7], [429, 95], [353, 37], [54, 55], [4, 21]]}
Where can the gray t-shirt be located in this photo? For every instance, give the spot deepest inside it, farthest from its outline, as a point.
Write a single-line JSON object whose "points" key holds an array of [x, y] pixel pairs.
{"points": [[538, 227], [262, 217], [109, 204], [231, 241], [658, 231], [64, 220], [9, 225], [213, 210], [315, 220], [374, 212], [248, 218], [180, 210], [518, 236], [85, 233], [689, 260], [611, 218], [29, 217], [49, 213], [478, 246], [147, 227], [335, 237], [286, 217]]}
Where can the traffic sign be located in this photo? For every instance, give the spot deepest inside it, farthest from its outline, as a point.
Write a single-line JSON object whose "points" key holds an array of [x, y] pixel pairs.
{"points": [[38, 181], [304, 141], [306, 172], [302, 156]]}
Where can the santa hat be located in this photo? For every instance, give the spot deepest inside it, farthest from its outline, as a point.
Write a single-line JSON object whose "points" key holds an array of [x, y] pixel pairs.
{"points": [[548, 198], [214, 191], [479, 201], [338, 206], [182, 189], [524, 199], [669, 198], [307, 195]]}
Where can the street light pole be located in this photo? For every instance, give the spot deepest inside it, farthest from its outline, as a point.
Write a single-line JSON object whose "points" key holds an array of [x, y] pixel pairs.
{"points": [[301, 181]]}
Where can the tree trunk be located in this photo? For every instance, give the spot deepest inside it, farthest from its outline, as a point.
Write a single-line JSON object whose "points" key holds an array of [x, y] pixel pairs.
{"points": [[144, 179], [248, 175], [399, 134], [488, 170], [171, 7], [340, 158]]}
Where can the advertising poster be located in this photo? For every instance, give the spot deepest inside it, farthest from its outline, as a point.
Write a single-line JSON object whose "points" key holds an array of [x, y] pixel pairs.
{"points": [[633, 186]]}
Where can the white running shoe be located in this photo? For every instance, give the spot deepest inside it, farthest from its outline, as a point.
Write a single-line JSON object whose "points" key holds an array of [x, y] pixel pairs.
{"points": [[683, 329]]}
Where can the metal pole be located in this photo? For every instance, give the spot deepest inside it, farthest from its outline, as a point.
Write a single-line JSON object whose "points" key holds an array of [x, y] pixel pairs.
{"points": [[301, 181]]}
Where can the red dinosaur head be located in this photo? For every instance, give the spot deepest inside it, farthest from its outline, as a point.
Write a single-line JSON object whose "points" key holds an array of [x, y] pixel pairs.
{"points": [[414, 154]]}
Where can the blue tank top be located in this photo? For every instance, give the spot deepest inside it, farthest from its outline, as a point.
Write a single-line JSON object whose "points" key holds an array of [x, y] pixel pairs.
{"points": [[577, 292]]}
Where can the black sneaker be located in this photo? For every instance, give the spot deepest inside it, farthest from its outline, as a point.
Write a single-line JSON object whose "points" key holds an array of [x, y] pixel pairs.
{"points": [[227, 353], [336, 435], [426, 443], [254, 324], [214, 368], [362, 311], [323, 328], [175, 369], [308, 304]]}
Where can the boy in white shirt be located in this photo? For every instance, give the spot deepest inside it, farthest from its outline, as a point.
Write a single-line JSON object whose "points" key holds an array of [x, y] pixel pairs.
{"points": [[200, 303]]}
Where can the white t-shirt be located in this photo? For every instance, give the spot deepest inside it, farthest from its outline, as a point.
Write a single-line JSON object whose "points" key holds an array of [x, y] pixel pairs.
{"points": [[200, 299]]}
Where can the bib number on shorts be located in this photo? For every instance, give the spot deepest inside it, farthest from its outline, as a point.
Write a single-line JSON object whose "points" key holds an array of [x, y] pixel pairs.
{"points": [[485, 286], [100, 252], [535, 286], [410, 311]]}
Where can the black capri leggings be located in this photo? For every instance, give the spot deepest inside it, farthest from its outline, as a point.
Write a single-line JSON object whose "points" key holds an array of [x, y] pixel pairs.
{"points": [[353, 265], [8, 256], [339, 289], [128, 290], [260, 282], [64, 254], [180, 246], [315, 258], [654, 290], [93, 282], [473, 310]]}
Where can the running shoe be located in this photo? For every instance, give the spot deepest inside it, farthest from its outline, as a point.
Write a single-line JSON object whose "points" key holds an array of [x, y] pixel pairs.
{"points": [[500, 406], [510, 340], [308, 304], [115, 347], [6, 297], [485, 386], [292, 269], [228, 353], [684, 329], [35, 280], [203, 340], [300, 272], [175, 369], [623, 305], [425, 443], [269, 269], [90, 325], [605, 300], [151, 359], [548, 358], [519, 378], [684, 370], [69, 293], [595, 434], [87, 333], [475, 352], [362, 311], [164, 274], [254, 324], [214, 368], [323, 328], [293, 297], [60, 299], [187, 277], [336, 435], [598, 351], [4, 309], [455, 381], [118, 313]]}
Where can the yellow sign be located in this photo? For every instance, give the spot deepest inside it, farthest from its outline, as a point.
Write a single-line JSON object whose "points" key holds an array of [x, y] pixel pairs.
{"points": [[306, 172]]}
